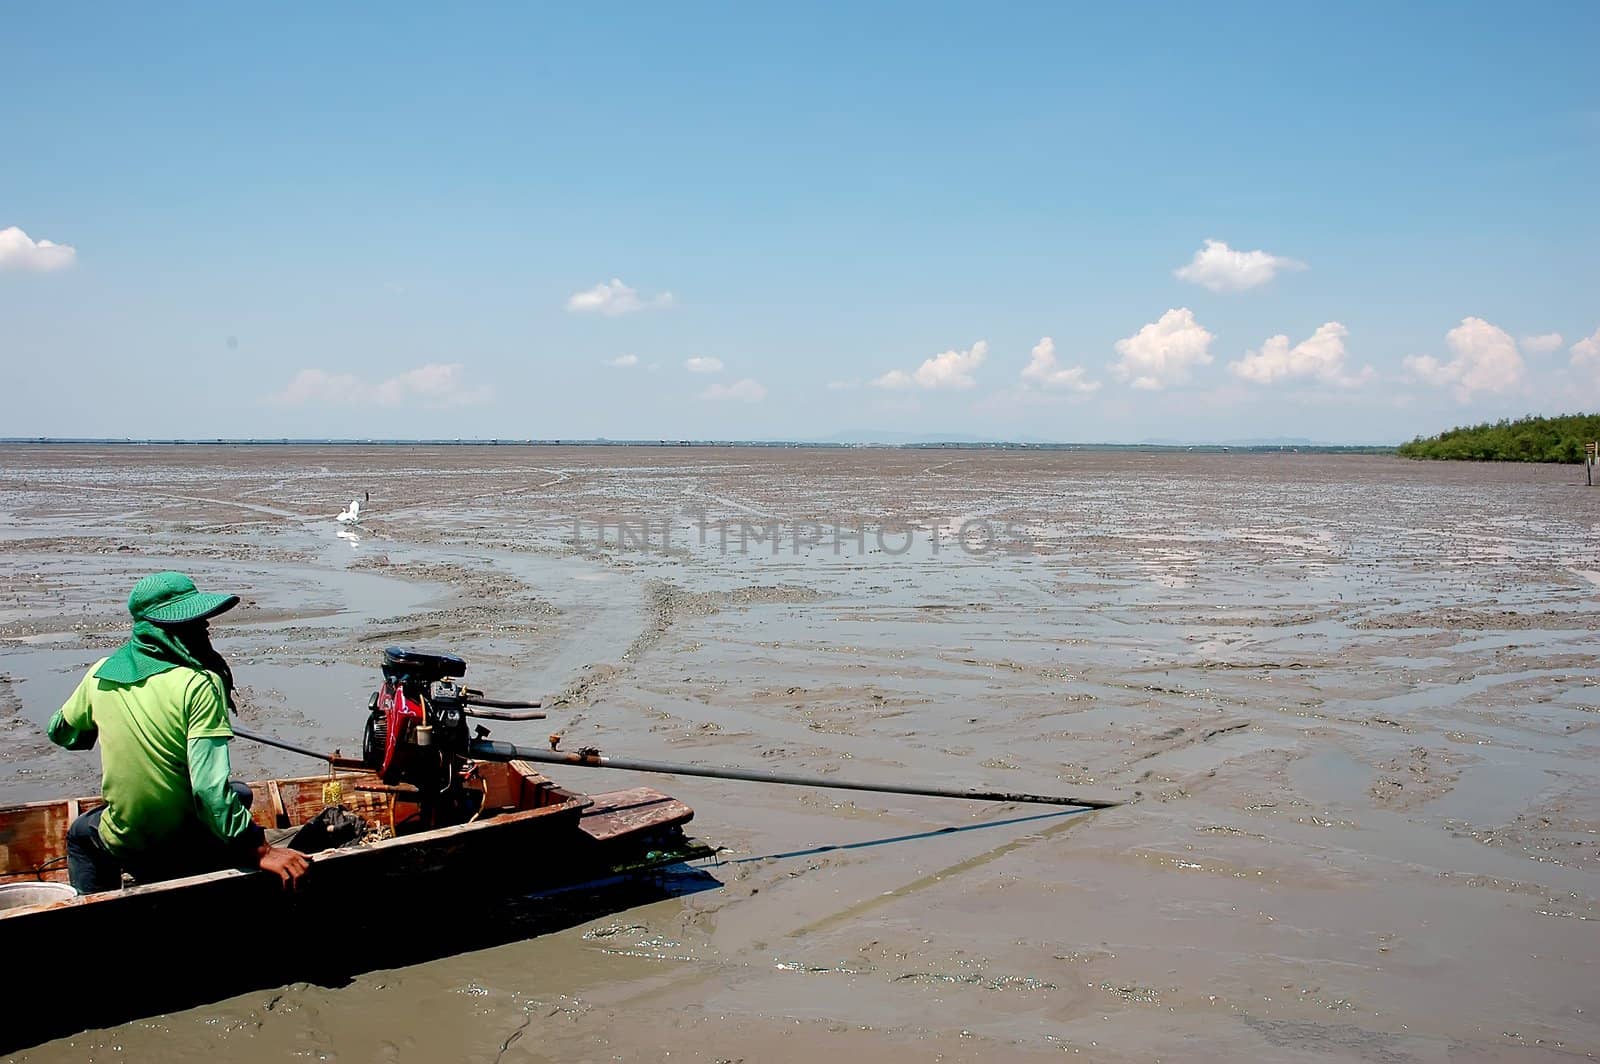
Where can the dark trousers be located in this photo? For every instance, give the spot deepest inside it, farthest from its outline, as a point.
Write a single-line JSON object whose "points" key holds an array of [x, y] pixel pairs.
{"points": [[93, 868]]}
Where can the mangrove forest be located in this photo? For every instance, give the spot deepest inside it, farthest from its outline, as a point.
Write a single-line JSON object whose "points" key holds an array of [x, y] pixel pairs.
{"points": [[1528, 439]]}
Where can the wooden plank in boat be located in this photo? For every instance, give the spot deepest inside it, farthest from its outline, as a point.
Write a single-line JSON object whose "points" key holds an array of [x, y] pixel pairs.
{"points": [[31, 843], [535, 786], [618, 813], [279, 815]]}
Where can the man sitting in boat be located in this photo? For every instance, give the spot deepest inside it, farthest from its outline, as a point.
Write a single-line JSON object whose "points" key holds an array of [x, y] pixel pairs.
{"points": [[159, 707]]}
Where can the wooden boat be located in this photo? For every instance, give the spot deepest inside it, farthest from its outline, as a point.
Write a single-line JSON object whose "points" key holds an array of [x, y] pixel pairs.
{"points": [[526, 815], [396, 898]]}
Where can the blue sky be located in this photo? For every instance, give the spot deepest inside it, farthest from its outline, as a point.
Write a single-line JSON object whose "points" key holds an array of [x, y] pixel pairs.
{"points": [[407, 221]]}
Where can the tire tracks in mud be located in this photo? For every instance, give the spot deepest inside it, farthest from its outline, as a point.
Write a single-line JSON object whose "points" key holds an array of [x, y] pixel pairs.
{"points": [[1166, 785], [693, 489], [1178, 730], [557, 476], [665, 605], [270, 511]]}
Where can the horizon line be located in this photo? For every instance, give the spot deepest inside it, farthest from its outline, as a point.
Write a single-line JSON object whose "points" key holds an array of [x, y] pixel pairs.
{"points": [[602, 441]]}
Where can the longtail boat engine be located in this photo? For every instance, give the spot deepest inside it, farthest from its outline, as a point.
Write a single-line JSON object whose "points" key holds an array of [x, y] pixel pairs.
{"points": [[416, 731]]}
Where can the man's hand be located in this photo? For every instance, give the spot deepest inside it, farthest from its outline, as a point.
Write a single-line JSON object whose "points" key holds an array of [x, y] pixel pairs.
{"points": [[289, 864]]}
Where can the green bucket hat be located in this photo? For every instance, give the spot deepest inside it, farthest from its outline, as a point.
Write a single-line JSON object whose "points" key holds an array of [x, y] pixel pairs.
{"points": [[172, 598]]}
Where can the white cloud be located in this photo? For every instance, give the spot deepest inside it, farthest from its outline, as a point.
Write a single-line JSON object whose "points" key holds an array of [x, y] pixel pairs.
{"points": [[19, 251], [320, 386], [435, 384], [1162, 353], [1320, 358], [1486, 360], [1586, 352], [1043, 370], [613, 299], [949, 369], [744, 391], [624, 362], [1222, 269], [703, 365], [1541, 345], [438, 383]]}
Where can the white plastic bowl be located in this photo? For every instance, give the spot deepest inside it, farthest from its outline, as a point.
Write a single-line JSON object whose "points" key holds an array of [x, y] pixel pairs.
{"points": [[18, 895]]}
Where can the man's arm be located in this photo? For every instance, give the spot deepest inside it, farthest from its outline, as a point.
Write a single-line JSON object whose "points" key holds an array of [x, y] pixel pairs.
{"points": [[72, 726], [215, 803], [218, 807]]}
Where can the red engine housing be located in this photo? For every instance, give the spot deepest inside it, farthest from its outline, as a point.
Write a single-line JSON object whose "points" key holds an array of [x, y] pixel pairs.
{"points": [[412, 728], [401, 716]]}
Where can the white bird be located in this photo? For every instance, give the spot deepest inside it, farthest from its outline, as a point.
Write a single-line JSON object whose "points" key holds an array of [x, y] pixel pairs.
{"points": [[351, 516]]}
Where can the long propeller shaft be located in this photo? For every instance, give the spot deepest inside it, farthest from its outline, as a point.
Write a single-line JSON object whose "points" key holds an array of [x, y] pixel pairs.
{"points": [[490, 750]]}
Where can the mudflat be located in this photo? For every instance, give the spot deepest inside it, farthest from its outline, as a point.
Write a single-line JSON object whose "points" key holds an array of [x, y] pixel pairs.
{"points": [[1351, 700]]}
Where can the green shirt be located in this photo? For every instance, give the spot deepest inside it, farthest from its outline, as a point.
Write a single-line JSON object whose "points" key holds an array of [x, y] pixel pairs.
{"points": [[163, 752]]}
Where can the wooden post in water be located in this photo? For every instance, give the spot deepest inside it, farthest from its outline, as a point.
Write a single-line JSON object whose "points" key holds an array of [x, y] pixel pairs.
{"points": [[1591, 451]]}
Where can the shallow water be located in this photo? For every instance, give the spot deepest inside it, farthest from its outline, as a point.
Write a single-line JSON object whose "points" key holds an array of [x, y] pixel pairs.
{"points": [[1355, 699]]}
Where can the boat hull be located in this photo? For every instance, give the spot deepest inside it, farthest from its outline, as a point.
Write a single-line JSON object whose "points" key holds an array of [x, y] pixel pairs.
{"points": [[416, 895]]}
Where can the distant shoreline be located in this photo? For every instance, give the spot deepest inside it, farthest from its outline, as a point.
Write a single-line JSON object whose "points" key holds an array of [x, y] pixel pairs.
{"points": [[1206, 448]]}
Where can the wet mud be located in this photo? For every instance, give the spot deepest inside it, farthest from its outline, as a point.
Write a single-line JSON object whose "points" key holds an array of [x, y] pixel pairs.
{"points": [[1352, 703]]}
